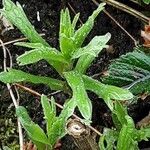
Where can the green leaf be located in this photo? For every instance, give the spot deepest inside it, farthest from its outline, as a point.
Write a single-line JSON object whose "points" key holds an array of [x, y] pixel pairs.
{"points": [[38, 53], [75, 81], [14, 75], [66, 33], [15, 14], [118, 115], [143, 134], [82, 32], [66, 45], [126, 135], [65, 23], [107, 92], [33, 130], [146, 1], [132, 71], [68, 109], [56, 131], [49, 112], [108, 139], [75, 20], [93, 48]]}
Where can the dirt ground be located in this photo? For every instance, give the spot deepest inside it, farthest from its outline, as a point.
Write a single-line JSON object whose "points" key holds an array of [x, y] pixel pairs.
{"points": [[49, 24]]}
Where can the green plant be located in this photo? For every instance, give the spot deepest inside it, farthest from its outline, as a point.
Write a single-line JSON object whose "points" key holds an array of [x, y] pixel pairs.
{"points": [[71, 49], [146, 1], [55, 126], [125, 135], [132, 71]]}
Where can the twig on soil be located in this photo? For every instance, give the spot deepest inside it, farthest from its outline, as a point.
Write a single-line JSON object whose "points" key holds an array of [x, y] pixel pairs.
{"points": [[58, 105], [11, 94], [127, 9], [17, 40], [117, 23]]}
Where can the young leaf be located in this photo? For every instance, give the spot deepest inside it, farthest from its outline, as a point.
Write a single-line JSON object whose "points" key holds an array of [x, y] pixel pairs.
{"points": [[75, 81], [51, 55], [68, 109], [66, 45], [33, 130], [107, 92], [126, 135], [56, 131], [39, 53], [14, 75], [75, 20], [49, 112], [82, 32], [108, 139], [15, 14], [118, 115], [143, 134], [94, 47], [65, 34], [56, 125], [132, 71]]}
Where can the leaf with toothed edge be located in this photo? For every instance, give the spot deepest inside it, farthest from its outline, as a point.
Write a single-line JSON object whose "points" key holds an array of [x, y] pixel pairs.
{"points": [[131, 71]]}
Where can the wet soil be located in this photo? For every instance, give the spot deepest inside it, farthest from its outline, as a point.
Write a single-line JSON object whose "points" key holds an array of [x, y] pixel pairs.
{"points": [[120, 42]]}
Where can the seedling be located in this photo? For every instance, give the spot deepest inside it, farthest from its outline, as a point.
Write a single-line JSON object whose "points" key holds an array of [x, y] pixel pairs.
{"points": [[125, 135], [63, 60], [54, 125]]}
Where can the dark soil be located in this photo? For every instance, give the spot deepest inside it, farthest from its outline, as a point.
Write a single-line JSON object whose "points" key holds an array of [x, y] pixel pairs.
{"points": [[49, 24]]}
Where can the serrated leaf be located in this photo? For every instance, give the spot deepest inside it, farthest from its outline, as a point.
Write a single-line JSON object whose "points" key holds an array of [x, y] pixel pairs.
{"points": [[14, 75], [33, 130], [49, 112], [107, 92], [15, 14], [84, 30], [93, 48], [76, 83], [132, 71], [39, 53]]}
